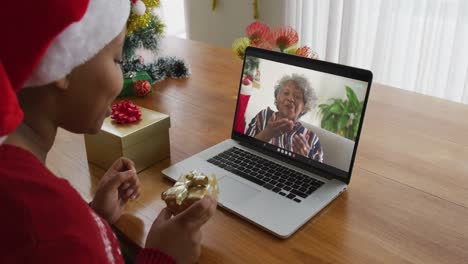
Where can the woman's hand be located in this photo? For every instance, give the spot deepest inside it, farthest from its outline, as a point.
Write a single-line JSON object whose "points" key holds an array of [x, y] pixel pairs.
{"points": [[180, 236], [300, 145], [275, 128], [118, 185]]}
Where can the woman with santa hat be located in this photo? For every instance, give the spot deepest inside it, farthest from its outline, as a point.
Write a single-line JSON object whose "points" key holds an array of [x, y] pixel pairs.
{"points": [[60, 67]]}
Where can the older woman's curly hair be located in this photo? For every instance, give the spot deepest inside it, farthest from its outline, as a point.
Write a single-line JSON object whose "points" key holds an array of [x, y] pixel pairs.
{"points": [[310, 97]]}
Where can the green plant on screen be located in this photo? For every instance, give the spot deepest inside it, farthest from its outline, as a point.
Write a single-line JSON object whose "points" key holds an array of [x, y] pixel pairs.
{"points": [[342, 116]]}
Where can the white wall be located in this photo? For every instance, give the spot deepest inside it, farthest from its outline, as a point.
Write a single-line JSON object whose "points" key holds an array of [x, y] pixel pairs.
{"points": [[173, 15], [326, 86], [229, 20]]}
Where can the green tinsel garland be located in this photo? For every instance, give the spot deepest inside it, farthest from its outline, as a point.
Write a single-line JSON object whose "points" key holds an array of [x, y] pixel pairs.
{"points": [[164, 67], [146, 32], [147, 38]]}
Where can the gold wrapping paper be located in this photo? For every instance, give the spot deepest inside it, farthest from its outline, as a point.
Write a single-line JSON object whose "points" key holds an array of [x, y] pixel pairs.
{"points": [[145, 142], [190, 188]]}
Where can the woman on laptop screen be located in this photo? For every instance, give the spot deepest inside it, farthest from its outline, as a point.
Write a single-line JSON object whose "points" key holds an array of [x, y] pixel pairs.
{"points": [[294, 97]]}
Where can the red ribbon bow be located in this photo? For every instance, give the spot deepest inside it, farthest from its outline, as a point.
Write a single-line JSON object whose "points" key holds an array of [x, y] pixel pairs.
{"points": [[125, 112]]}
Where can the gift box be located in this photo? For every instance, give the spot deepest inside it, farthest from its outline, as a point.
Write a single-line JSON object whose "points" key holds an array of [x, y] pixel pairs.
{"points": [[144, 142], [130, 79], [188, 189]]}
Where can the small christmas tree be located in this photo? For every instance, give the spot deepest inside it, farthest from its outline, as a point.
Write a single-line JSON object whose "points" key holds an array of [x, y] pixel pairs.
{"points": [[144, 32]]}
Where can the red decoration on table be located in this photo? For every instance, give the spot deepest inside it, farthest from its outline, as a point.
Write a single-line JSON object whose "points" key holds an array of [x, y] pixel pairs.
{"points": [[125, 112], [142, 88]]}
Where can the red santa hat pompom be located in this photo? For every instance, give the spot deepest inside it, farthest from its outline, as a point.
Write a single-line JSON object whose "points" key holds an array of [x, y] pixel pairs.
{"points": [[51, 38]]}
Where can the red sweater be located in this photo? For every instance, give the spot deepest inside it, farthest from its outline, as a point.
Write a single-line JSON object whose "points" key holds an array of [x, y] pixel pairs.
{"points": [[44, 220]]}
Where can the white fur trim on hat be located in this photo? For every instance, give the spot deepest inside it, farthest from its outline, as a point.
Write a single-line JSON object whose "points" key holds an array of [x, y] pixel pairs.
{"points": [[81, 41]]}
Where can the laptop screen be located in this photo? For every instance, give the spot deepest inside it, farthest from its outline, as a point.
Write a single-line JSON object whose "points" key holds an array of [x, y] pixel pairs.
{"points": [[300, 111]]}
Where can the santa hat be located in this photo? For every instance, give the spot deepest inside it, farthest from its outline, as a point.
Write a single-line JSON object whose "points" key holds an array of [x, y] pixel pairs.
{"points": [[43, 41]]}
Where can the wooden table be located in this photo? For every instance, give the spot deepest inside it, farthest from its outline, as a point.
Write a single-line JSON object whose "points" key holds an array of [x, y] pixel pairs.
{"points": [[408, 198]]}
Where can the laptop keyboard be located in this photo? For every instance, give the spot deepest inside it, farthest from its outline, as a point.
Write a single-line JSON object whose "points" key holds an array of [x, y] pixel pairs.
{"points": [[279, 179]]}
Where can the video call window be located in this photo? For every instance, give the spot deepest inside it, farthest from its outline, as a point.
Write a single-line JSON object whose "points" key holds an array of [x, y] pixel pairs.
{"points": [[306, 112]]}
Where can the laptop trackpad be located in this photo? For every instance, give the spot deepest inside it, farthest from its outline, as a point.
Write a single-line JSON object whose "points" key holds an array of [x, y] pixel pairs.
{"points": [[233, 191]]}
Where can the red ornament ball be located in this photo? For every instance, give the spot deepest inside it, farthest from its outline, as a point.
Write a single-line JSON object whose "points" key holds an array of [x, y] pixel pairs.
{"points": [[142, 88], [125, 112]]}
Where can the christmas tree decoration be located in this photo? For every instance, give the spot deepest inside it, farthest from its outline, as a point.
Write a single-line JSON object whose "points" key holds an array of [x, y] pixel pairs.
{"points": [[142, 88], [138, 7], [252, 64], [125, 112], [165, 67], [147, 38], [250, 81], [144, 33], [130, 78], [251, 74], [140, 20]]}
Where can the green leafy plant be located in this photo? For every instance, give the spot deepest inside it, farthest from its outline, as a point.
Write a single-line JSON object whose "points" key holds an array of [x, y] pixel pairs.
{"points": [[342, 116]]}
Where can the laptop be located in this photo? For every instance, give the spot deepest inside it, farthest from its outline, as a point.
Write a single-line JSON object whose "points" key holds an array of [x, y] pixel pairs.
{"points": [[295, 134]]}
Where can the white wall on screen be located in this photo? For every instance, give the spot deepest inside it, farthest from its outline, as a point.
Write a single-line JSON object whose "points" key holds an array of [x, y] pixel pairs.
{"points": [[326, 86]]}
